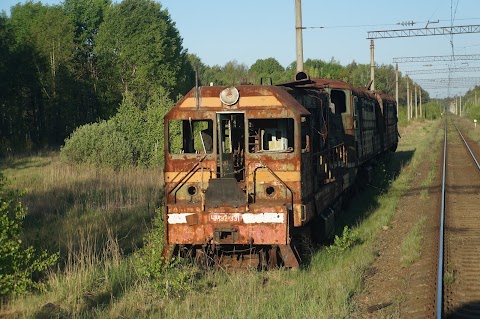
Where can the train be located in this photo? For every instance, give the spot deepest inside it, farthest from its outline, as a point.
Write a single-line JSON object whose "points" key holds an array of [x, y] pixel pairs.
{"points": [[251, 169]]}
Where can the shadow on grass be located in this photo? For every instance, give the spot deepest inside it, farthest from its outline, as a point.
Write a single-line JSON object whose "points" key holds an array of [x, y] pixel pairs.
{"points": [[361, 201], [25, 162], [386, 171], [56, 217]]}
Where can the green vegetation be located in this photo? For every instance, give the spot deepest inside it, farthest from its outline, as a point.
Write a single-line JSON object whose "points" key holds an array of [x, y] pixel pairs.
{"points": [[449, 277], [73, 64], [471, 104], [103, 224], [348, 239], [19, 265], [133, 137], [411, 247]]}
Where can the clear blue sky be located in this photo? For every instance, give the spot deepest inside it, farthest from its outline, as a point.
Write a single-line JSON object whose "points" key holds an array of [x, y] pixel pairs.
{"points": [[219, 31]]}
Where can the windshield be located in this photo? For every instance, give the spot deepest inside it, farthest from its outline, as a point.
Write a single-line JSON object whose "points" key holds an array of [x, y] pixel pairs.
{"points": [[270, 135]]}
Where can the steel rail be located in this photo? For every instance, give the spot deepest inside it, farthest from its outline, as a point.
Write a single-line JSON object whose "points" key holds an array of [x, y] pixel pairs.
{"points": [[439, 312], [468, 147]]}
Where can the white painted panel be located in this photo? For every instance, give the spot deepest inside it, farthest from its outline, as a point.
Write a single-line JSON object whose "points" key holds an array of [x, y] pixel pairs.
{"points": [[178, 218], [249, 218]]}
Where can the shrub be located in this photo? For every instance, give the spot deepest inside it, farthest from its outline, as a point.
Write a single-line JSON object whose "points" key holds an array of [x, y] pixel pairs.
{"points": [[18, 265], [100, 144], [134, 136], [349, 238]]}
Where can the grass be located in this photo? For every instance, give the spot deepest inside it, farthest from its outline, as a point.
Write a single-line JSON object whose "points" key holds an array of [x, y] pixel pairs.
{"points": [[98, 218], [61, 199], [95, 218], [449, 277], [411, 247]]}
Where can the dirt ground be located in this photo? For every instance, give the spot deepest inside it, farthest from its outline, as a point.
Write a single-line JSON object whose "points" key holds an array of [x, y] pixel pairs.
{"points": [[396, 291]]}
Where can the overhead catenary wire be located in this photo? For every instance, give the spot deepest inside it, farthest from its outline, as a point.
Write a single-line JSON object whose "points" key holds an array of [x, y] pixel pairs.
{"points": [[384, 24]]}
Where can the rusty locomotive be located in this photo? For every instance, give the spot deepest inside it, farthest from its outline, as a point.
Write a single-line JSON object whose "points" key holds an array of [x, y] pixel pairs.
{"points": [[250, 167]]}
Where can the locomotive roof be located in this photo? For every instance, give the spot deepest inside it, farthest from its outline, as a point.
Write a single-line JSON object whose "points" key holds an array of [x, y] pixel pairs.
{"points": [[317, 83], [251, 97]]}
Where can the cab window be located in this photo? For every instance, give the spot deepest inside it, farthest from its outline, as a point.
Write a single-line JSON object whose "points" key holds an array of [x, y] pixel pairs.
{"points": [[190, 136], [270, 135]]}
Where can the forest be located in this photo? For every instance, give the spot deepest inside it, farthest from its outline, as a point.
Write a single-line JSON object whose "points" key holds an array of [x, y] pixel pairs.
{"points": [[68, 65]]}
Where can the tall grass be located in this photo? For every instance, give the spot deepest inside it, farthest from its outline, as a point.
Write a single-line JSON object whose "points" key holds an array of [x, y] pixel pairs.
{"points": [[96, 213], [95, 218], [62, 199]]}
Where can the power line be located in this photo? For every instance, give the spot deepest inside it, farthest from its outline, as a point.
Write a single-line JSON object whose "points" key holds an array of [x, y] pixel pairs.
{"points": [[447, 70], [402, 33], [445, 80], [466, 57], [403, 23]]}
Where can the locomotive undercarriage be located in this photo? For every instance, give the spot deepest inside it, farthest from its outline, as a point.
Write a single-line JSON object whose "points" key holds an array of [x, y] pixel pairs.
{"points": [[227, 257], [303, 240]]}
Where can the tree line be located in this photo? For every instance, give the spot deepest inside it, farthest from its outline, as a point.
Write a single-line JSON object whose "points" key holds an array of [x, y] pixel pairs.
{"points": [[72, 64]]}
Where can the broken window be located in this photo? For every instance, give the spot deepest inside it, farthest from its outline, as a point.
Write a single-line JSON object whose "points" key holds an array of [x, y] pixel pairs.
{"points": [[190, 136], [305, 130], [339, 101], [273, 135]]}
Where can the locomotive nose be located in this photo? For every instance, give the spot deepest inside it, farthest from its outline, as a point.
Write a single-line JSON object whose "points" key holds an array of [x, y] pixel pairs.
{"points": [[224, 192]]}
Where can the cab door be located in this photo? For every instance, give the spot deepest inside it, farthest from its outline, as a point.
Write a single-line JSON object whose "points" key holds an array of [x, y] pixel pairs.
{"points": [[231, 144]]}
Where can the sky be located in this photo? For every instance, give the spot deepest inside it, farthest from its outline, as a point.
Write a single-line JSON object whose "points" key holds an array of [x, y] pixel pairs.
{"points": [[219, 31]]}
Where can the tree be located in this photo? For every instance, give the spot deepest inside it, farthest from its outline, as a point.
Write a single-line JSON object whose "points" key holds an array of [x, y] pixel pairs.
{"points": [[267, 68], [385, 79], [87, 16], [6, 43], [139, 49], [41, 75], [52, 35]]}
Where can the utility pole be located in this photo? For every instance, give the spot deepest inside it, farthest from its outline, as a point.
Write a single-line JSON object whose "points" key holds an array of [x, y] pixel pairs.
{"points": [[408, 99], [460, 105], [372, 64], [396, 85], [411, 103], [416, 104], [421, 113], [299, 38]]}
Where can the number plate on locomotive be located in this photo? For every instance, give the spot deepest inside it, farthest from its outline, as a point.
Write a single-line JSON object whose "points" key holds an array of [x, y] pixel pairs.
{"points": [[225, 217]]}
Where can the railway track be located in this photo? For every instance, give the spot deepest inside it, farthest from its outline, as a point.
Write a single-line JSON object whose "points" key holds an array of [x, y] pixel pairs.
{"points": [[458, 286]]}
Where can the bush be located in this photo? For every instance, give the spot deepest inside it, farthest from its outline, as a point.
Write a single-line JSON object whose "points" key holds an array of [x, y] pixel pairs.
{"points": [[134, 136], [100, 144], [349, 238], [18, 265]]}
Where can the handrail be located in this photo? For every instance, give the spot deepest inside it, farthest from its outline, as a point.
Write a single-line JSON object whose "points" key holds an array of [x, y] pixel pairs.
{"points": [[332, 157], [185, 176], [274, 175]]}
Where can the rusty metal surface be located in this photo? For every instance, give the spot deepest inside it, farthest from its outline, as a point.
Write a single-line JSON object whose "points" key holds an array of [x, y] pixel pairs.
{"points": [[258, 183]]}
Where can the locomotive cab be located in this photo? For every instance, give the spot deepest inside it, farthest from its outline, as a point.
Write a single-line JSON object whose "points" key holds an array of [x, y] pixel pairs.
{"points": [[232, 175]]}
